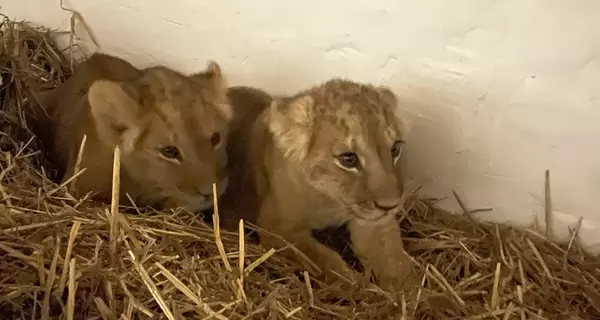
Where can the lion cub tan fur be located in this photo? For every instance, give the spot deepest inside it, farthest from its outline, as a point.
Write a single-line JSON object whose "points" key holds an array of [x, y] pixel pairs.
{"points": [[171, 130], [324, 157]]}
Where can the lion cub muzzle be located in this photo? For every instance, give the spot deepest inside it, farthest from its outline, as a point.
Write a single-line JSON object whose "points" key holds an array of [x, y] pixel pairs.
{"points": [[386, 205], [201, 197], [192, 186]]}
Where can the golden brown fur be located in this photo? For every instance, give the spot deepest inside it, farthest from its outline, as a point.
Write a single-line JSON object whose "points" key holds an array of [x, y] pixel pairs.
{"points": [[171, 130], [296, 165]]}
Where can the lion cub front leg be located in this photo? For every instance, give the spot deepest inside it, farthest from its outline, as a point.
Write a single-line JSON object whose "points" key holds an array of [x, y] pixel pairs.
{"points": [[379, 245], [329, 261]]}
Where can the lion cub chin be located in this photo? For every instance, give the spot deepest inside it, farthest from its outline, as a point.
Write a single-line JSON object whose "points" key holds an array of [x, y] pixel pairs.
{"points": [[170, 128], [330, 155]]}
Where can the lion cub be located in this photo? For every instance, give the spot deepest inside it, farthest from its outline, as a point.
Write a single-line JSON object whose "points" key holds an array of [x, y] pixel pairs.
{"points": [[327, 156], [171, 130]]}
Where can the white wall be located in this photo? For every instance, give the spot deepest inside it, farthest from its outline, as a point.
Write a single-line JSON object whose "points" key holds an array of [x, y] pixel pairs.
{"points": [[497, 90]]}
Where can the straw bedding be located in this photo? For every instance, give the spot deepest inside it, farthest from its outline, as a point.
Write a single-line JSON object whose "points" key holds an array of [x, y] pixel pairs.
{"points": [[70, 258]]}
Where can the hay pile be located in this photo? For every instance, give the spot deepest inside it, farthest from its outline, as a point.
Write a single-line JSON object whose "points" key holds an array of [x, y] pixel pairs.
{"points": [[61, 256]]}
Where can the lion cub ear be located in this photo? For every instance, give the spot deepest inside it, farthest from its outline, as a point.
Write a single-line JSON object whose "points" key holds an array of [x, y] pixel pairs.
{"points": [[115, 113], [216, 82], [291, 125], [391, 100], [387, 96]]}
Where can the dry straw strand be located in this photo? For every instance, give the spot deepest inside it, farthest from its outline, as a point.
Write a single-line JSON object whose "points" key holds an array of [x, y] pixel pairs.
{"points": [[495, 293], [105, 311], [72, 290], [217, 230], [151, 287], [114, 205], [185, 290], [548, 205], [50, 281], [241, 249], [72, 235], [79, 159], [311, 295], [574, 236]]}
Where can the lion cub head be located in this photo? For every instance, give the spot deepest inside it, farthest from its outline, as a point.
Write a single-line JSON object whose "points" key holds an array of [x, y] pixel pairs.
{"points": [[345, 142], [171, 130]]}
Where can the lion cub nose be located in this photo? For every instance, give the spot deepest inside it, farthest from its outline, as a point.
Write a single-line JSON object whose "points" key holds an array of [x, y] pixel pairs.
{"points": [[387, 204]]}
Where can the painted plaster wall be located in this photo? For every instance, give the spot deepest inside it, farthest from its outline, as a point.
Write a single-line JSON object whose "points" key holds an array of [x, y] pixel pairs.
{"points": [[496, 91]]}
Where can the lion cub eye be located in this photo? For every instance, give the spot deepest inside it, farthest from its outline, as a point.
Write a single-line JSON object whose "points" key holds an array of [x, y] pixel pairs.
{"points": [[215, 139], [348, 160], [170, 152], [397, 149]]}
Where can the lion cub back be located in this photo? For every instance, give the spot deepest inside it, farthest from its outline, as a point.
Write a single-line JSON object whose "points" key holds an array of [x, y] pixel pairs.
{"points": [[170, 128], [240, 200]]}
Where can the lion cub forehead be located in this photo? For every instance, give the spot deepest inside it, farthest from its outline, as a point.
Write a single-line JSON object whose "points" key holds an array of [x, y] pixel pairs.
{"points": [[185, 101], [165, 84], [358, 110]]}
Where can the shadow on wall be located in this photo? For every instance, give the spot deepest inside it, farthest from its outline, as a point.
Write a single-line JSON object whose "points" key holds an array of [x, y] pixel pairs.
{"points": [[445, 153], [433, 136]]}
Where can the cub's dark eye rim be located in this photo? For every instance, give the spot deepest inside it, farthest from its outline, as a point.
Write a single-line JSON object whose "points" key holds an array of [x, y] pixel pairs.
{"points": [[397, 149], [348, 160], [215, 139], [170, 152]]}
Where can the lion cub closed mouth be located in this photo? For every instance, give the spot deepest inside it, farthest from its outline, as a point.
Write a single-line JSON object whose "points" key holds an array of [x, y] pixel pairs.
{"points": [[171, 130], [329, 155]]}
